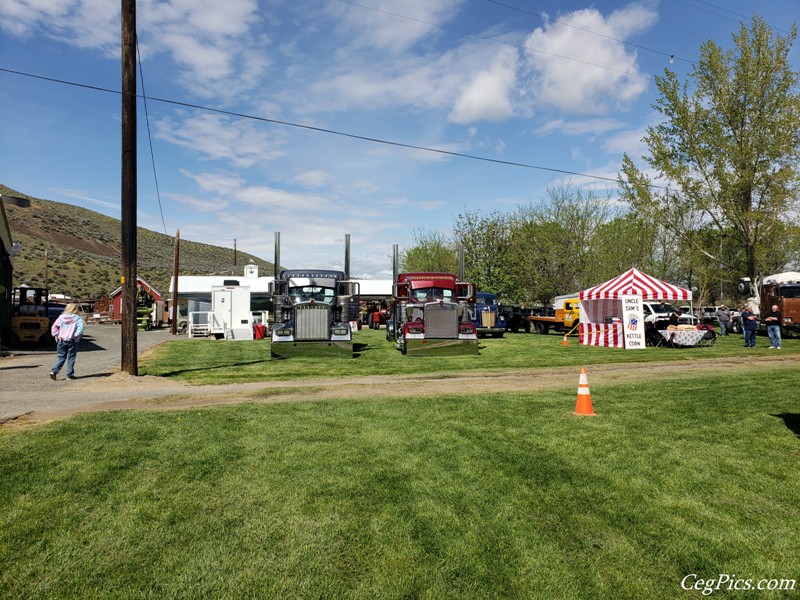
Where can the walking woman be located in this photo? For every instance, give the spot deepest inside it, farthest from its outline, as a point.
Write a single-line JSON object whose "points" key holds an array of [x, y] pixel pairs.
{"points": [[67, 331]]}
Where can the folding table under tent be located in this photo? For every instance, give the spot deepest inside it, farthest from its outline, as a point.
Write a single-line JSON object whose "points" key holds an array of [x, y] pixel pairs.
{"points": [[602, 303]]}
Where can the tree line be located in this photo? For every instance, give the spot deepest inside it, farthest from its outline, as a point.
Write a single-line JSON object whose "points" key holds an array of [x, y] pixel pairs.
{"points": [[719, 198]]}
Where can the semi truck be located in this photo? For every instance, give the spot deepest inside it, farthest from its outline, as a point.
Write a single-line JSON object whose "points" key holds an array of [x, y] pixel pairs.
{"points": [[781, 289], [563, 317], [429, 314], [487, 318], [313, 309]]}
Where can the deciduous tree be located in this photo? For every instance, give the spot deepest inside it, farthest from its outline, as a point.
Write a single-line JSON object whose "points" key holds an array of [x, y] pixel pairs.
{"points": [[727, 152]]}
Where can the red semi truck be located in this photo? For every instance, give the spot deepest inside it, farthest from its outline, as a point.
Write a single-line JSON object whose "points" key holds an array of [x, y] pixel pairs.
{"points": [[430, 315]]}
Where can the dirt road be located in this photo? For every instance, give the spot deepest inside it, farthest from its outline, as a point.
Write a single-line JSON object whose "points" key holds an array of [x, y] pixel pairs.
{"points": [[27, 395]]}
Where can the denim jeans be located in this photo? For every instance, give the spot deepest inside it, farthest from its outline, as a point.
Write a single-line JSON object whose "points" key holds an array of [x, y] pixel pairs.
{"points": [[774, 332], [723, 327], [750, 338], [66, 351]]}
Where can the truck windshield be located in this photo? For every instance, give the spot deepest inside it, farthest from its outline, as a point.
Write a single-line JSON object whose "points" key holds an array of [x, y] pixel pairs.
{"points": [[484, 300], [428, 294], [315, 293], [789, 291]]}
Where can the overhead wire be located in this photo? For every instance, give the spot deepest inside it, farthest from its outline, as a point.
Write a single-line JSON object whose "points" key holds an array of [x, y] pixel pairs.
{"points": [[738, 16], [325, 130], [149, 136]]}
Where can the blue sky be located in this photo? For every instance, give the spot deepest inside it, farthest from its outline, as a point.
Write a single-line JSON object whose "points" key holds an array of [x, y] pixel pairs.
{"points": [[556, 86]]}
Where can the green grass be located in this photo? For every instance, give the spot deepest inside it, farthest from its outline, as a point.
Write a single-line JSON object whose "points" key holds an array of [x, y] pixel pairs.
{"points": [[503, 496], [202, 361]]}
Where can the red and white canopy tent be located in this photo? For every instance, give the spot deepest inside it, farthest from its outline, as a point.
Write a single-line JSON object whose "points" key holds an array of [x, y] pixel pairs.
{"points": [[601, 303]]}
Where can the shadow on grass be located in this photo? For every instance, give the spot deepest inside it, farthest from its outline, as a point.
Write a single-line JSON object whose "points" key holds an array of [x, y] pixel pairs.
{"points": [[211, 368], [792, 421]]}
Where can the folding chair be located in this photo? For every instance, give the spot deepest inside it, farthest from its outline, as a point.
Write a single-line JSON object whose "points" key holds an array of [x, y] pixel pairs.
{"points": [[709, 339]]}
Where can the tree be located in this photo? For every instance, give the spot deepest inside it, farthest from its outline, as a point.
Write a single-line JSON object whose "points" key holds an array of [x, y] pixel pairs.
{"points": [[729, 150], [431, 252], [486, 240], [627, 240], [552, 243]]}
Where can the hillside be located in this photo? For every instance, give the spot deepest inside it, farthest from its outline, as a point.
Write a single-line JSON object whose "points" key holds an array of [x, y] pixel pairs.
{"points": [[83, 250]]}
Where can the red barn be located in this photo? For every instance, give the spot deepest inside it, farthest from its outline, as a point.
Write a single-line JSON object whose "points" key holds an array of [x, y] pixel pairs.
{"points": [[116, 298]]}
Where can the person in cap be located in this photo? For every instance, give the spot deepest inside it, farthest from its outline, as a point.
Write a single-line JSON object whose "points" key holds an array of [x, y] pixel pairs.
{"points": [[724, 318]]}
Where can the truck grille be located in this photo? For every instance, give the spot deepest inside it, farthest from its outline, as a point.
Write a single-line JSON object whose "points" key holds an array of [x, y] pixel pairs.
{"points": [[441, 321], [487, 318], [30, 325], [312, 321]]}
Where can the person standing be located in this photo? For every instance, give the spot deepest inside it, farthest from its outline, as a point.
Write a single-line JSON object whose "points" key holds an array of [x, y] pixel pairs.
{"points": [[67, 331], [773, 322], [724, 318], [749, 326]]}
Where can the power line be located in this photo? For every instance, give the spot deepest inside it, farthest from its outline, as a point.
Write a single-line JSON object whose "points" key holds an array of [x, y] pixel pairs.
{"points": [[324, 130], [149, 136], [739, 16]]}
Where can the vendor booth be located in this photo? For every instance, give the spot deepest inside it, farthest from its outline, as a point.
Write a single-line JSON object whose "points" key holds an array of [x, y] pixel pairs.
{"points": [[605, 316]]}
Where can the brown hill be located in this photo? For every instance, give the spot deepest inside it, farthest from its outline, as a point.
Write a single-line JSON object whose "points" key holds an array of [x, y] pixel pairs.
{"points": [[76, 251]]}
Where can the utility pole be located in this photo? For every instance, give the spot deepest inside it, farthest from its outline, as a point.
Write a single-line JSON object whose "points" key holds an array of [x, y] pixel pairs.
{"points": [[129, 348], [175, 262]]}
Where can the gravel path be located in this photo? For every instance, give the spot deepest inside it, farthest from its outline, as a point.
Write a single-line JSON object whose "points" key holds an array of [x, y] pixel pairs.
{"points": [[25, 384], [27, 395]]}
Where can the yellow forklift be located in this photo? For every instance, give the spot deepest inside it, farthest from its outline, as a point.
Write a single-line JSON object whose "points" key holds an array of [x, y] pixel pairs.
{"points": [[30, 323]]}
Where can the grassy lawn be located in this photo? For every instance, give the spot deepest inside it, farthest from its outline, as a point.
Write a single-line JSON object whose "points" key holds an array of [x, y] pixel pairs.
{"points": [[504, 496], [203, 361]]}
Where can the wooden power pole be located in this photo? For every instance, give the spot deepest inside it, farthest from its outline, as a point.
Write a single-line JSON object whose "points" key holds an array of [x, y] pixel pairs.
{"points": [[176, 260], [129, 348]]}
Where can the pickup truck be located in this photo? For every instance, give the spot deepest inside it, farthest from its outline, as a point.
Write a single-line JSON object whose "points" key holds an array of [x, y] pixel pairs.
{"points": [[658, 313]]}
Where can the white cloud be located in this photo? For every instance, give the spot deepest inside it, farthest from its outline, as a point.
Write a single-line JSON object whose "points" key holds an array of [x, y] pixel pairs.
{"points": [[313, 178], [576, 85], [629, 142], [242, 142], [576, 128], [82, 23], [80, 195], [473, 82], [202, 205], [214, 42], [223, 184], [487, 95], [379, 29]]}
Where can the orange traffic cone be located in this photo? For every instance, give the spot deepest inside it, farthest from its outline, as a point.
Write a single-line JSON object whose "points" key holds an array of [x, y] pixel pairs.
{"points": [[564, 342], [584, 404]]}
